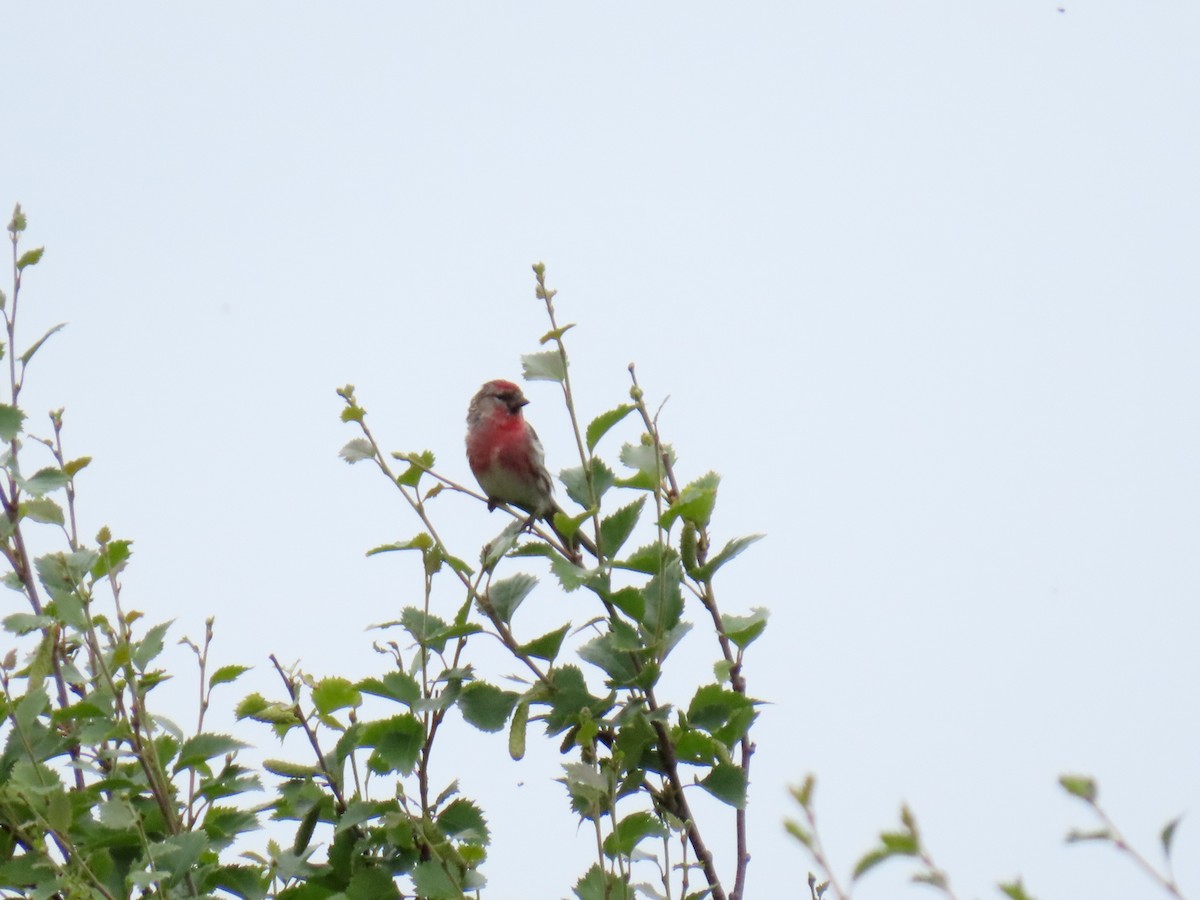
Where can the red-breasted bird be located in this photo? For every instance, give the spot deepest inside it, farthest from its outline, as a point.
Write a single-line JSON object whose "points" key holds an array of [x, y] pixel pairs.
{"points": [[507, 458]]}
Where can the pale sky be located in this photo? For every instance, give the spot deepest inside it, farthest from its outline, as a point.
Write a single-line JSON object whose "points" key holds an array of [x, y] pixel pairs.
{"points": [[920, 280]]}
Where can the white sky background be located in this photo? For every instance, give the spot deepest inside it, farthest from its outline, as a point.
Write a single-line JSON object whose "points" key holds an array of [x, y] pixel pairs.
{"points": [[920, 280]]}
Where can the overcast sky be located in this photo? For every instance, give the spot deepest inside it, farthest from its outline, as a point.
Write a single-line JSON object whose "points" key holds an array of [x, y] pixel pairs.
{"points": [[920, 279]]}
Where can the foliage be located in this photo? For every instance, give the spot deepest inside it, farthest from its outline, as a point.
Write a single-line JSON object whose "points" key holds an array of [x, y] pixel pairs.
{"points": [[101, 795], [906, 843]]}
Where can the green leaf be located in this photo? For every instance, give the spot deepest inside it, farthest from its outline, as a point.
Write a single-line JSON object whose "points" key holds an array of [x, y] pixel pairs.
{"points": [[664, 599], [42, 509], [1014, 890], [28, 354], [631, 831], [30, 258], [574, 479], [1080, 786], [516, 731], [286, 769], [1077, 836], [74, 466], [23, 623], [256, 707], [1168, 835], [397, 743], [744, 630], [422, 542], [727, 783], [726, 715], [695, 502], [330, 694], [615, 652], [555, 334], [43, 481], [150, 646], [486, 706], [418, 465], [616, 529], [545, 366], [648, 559], [357, 450], [599, 884], [10, 421], [200, 748], [398, 686], [569, 698], [426, 629], [463, 821], [548, 645], [433, 882], [506, 595], [601, 425], [730, 550], [226, 675], [112, 558], [646, 461]]}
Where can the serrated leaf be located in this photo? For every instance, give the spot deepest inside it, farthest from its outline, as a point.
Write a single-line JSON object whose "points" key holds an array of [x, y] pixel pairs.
{"points": [[744, 630], [285, 769], [357, 450], [23, 623], [44, 481], [397, 743], [544, 366], [433, 882], [10, 421], [42, 509], [604, 422], [600, 884], [616, 528], [486, 706], [200, 748], [112, 558], [226, 675], [725, 714], [548, 645], [727, 783], [631, 831], [398, 686], [506, 595], [645, 460], [145, 650], [418, 465], [728, 552], [331, 694], [695, 502], [28, 354], [463, 821], [574, 479]]}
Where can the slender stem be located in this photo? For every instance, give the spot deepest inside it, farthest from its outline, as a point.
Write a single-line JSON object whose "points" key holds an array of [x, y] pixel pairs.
{"points": [[1166, 882]]}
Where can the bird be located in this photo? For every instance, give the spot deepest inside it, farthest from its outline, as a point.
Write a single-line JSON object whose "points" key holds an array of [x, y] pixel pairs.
{"points": [[507, 458]]}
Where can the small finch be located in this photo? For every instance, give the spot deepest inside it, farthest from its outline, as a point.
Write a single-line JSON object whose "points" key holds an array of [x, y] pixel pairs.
{"points": [[507, 457]]}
